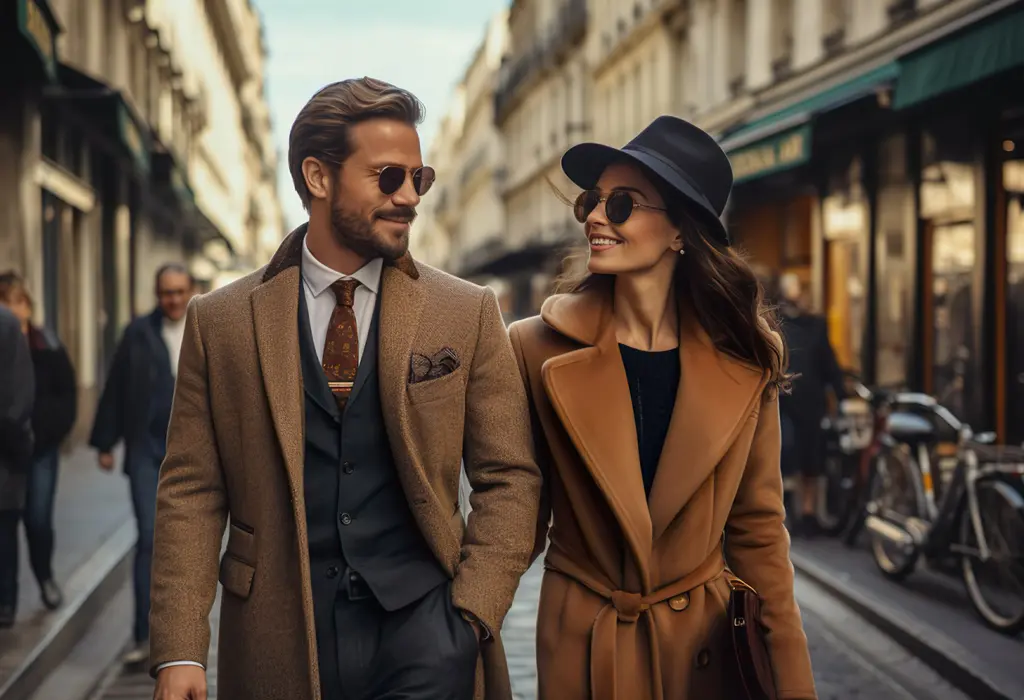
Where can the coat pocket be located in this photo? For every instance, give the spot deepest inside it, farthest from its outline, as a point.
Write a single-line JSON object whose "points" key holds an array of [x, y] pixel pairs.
{"points": [[236, 576], [238, 566]]}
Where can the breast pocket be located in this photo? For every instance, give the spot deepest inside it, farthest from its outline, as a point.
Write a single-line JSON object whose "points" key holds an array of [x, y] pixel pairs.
{"points": [[238, 565], [437, 389]]}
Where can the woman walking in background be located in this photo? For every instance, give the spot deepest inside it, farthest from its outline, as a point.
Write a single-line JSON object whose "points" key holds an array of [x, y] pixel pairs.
{"points": [[53, 415], [654, 385]]}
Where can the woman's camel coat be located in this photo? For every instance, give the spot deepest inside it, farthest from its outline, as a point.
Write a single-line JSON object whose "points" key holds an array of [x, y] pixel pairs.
{"points": [[633, 601]]}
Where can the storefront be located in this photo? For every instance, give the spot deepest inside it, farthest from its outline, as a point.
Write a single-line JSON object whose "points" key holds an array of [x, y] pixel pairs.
{"points": [[916, 221]]}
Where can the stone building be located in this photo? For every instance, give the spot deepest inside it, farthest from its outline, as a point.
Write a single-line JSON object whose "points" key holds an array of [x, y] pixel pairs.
{"points": [[132, 132]]}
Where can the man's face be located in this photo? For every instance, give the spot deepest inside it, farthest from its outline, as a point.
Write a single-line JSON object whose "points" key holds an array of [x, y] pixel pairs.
{"points": [[364, 219], [173, 291]]}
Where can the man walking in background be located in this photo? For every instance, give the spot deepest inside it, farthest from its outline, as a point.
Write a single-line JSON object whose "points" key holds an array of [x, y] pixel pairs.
{"points": [[136, 407], [324, 404]]}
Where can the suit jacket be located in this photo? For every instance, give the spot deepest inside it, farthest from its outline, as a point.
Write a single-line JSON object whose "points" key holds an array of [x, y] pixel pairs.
{"points": [[634, 597], [236, 443]]}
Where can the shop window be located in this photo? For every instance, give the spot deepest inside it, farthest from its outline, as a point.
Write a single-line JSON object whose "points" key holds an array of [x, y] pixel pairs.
{"points": [[894, 279], [1013, 184], [845, 226], [948, 207]]}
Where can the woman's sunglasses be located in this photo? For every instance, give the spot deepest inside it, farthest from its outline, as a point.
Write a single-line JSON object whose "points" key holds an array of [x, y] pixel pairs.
{"points": [[617, 206], [390, 179]]}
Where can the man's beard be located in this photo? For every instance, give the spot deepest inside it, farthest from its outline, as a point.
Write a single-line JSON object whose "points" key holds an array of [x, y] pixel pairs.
{"points": [[357, 234]]}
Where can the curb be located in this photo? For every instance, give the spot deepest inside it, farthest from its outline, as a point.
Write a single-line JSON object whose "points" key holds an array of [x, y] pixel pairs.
{"points": [[94, 583], [945, 656]]}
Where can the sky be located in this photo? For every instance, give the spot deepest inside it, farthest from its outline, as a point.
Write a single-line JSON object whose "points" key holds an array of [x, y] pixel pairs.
{"points": [[421, 45]]}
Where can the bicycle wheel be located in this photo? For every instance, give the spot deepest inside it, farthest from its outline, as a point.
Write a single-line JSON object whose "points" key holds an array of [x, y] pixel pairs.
{"points": [[995, 585], [893, 492]]}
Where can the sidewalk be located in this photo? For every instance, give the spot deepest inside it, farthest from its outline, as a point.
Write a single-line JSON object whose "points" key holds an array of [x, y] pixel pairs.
{"points": [[92, 523]]}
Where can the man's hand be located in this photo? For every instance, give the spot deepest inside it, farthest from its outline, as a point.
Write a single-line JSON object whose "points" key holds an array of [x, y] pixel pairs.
{"points": [[106, 460], [180, 683]]}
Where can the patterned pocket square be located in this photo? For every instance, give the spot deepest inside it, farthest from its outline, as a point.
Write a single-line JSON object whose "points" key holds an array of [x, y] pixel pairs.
{"points": [[423, 368]]}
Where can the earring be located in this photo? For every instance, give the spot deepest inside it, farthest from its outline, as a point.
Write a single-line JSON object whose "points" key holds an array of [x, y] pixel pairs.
{"points": [[682, 251]]}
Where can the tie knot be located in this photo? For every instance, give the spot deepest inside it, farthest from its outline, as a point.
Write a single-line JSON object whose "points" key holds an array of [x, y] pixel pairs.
{"points": [[345, 291]]}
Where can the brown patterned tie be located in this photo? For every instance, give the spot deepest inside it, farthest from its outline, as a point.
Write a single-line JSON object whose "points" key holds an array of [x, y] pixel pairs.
{"points": [[341, 347]]}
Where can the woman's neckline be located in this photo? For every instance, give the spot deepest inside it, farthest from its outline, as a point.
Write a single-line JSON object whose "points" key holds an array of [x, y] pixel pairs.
{"points": [[649, 352]]}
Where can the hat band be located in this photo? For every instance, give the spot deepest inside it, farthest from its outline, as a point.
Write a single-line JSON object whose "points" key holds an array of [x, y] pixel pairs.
{"points": [[675, 169]]}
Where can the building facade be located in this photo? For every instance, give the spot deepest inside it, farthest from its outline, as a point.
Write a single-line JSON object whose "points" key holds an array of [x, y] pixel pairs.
{"points": [[876, 151], [132, 133]]}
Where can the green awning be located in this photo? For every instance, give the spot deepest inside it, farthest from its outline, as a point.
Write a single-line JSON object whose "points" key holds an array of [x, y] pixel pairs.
{"points": [[836, 96], [34, 29], [987, 49], [783, 151], [107, 110]]}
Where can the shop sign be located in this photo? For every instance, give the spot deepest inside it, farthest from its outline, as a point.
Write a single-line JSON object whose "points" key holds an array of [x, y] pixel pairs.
{"points": [[35, 23], [787, 150]]}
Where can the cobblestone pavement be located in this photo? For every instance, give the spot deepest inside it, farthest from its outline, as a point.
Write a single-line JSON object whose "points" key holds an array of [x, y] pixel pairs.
{"points": [[852, 661]]}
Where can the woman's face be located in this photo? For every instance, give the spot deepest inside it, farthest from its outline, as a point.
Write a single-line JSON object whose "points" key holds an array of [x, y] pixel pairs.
{"points": [[18, 302], [645, 239]]}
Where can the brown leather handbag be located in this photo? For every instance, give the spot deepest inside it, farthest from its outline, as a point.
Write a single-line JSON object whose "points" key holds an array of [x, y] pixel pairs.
{"points": [[753, 678]]}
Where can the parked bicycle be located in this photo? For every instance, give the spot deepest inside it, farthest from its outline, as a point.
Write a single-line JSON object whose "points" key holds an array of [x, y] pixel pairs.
{"points": [[941, 492], [848, 436]]}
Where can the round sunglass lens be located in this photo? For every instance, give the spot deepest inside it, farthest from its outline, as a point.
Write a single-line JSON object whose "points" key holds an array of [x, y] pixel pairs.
{"points": [[618, 207], [391, 179], [586, 202], [422, 180]]}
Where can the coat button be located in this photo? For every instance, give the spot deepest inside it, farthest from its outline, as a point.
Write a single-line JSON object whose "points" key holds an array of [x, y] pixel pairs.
{"points": [[332, 571], [348, 467], [345, 519], [703, 658], [680, 602]]}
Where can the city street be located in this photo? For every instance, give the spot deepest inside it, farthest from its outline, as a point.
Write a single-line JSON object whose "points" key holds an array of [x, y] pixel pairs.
{"points": [[851, 659]]}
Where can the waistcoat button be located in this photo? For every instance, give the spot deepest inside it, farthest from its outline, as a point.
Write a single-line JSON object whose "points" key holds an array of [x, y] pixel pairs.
{"points": [[348, 467], [332, 571], [345, 519]]}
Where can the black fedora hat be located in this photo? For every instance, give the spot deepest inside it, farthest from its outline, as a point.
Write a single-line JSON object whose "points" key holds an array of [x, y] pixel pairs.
{"points": [[682, 155]]}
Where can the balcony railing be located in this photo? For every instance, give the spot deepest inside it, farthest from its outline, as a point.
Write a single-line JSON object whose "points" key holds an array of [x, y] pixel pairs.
{"points": [[568, 30]]}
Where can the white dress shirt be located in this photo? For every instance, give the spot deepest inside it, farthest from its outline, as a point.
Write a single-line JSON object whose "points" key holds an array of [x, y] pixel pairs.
{"points": [[173, 333], [317, 279]]}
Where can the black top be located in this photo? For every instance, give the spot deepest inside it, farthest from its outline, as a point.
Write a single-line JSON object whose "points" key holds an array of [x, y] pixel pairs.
{"points": [[653, 381]]}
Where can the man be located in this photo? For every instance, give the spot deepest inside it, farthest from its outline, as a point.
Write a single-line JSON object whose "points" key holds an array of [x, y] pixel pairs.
{"points": [[814, 365], [136, 407], [17, 393], [324, 403]]}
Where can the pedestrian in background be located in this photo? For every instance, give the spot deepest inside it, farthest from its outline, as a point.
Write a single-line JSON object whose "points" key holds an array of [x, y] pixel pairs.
{"points": [[653, 382], [17, 392], [53, 416], [813, 365], [135, 408]]}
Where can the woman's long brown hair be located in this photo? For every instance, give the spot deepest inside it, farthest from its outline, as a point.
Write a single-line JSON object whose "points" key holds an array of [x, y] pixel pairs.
{"points": [[723, 291]]}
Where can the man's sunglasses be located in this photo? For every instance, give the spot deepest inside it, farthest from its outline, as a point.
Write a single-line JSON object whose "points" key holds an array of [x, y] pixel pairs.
{"points": [[618, 206], [390, 179]]}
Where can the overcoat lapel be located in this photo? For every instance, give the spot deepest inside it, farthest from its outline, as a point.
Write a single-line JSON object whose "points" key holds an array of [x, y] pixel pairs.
{"points": [[275, 309], [716, 394], [590, 393], [400, 304]]}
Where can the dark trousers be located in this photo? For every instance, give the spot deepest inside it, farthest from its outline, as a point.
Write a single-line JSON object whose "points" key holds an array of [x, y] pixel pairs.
{"points": [[143, 476], [9, 558], [424, 651], [42, 490]]}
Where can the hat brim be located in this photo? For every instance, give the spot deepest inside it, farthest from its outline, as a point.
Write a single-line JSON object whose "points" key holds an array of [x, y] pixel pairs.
{"points": [[584, 163]]}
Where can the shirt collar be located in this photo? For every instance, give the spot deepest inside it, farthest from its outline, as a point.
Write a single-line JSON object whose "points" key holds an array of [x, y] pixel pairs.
{"points": [[318, 277]]}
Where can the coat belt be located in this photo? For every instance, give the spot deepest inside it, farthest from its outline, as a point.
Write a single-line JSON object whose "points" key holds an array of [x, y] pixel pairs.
{"points": [[628, 608]]}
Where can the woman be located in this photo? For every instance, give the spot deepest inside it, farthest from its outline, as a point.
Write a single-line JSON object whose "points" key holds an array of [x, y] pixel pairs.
{"points": [[53, 416], [654, 385]]}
